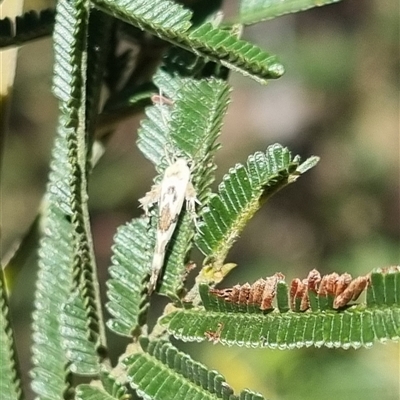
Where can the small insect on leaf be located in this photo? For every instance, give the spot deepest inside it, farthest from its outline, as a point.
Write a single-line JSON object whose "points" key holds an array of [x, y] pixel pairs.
{"points": [[214, 336], [174, 188], [161, 100]]}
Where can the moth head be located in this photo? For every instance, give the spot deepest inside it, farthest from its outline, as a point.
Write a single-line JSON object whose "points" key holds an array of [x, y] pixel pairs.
{"points": [[178, 169]]}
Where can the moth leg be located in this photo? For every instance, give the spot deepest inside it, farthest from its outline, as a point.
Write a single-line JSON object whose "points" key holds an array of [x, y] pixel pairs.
{"points": [[191, 198], [151, 197], [191, 201]]}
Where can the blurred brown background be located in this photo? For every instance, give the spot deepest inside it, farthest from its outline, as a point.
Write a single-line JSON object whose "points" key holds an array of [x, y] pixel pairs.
{"points": [[339, 100]]}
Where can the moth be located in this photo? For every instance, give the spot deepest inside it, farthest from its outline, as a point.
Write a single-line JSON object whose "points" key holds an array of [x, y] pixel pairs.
{"points": [[170, 194]]}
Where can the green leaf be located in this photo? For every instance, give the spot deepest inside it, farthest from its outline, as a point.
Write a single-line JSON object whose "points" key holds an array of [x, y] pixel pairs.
{"points": [[79, 349], [190, 65], [114, 386], [240, 195], [163, 372], [88, 392], [98, 30], [188, 130], [245, 324], [96, 392], [353, 327], [153, 134], [54, 278], [10, 386], [70, 68], [385, 287], [27, 27], [171, 22], [65, 256], [69, 44], [238, 55], [127, 289], [253, 11], [196, 123], [311, 162], [176, 259]]}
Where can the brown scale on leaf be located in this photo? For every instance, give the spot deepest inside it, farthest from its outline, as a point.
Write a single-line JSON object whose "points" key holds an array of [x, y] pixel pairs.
{"points": [[313, 280], [260, 294], [341, 288], [244, 294], [328, 285], [351, 292], [298, 291], [342, 283], [269, 291]]}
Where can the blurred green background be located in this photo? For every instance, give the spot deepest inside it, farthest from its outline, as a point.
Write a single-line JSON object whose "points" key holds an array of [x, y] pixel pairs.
{"points": [[339, 100]]}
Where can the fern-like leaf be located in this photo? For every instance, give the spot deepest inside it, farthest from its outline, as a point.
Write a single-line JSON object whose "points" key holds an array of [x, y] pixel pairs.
{"points": [[10, 386], [238, 55], [385, 287], [127, 290], [153, 134], [79, 349], [88, 392], [114, 386], [65, 256], [196, 123], [109, 388], [26, 27], [240, 195], [189, 130], [244, 324], [352, 328], [54, 278], [70, 45], [253, 11], [163, 372], [171, 22]]}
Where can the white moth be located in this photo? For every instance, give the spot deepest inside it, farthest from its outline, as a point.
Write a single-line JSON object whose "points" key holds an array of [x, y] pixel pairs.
{"points": [[170, 194]]}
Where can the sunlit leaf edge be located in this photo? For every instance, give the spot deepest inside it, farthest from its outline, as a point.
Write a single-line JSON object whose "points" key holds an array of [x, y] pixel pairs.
{"points": [[254, 11], [171, 22], [163, 371], [240, 195], [127, 287], [352, 326], [10, 385]]}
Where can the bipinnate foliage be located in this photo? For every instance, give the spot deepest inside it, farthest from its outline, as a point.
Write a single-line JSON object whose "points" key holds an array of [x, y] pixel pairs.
{"points": [[184, 377], [184, 121], [129, 273], [66, 263], [9, 382], [234, 316], [240, 195]]}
